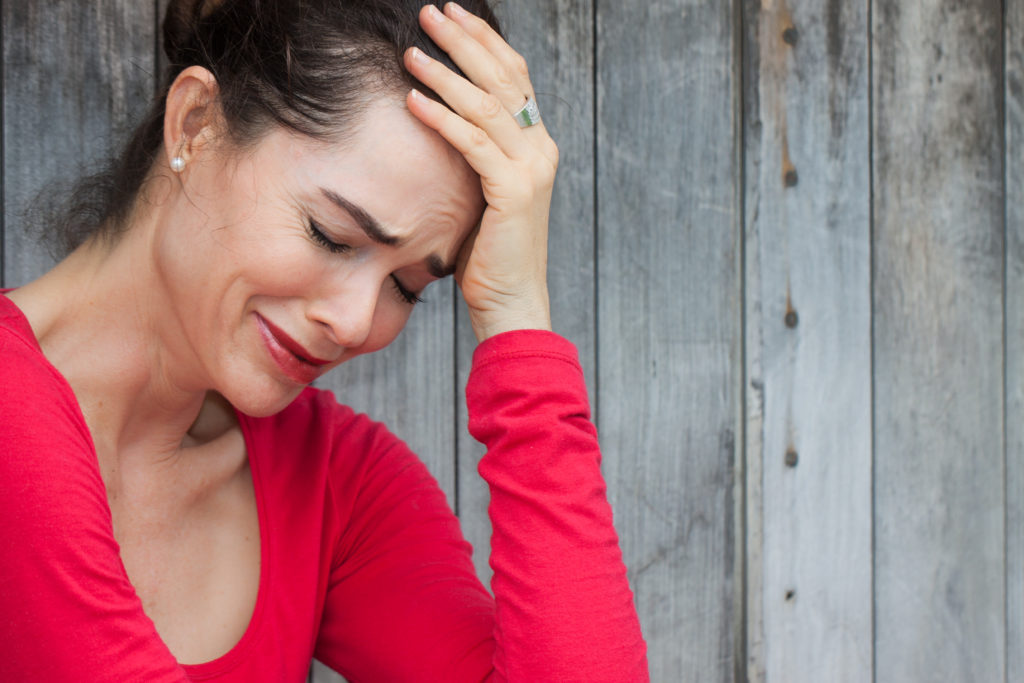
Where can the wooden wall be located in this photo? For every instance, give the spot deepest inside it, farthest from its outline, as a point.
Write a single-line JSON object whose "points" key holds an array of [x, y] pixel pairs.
{"points": [[787, 239]]}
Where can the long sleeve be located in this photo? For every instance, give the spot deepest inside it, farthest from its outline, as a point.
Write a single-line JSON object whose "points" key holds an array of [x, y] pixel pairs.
{"points": [[67, 609], [564, 608], [403, 603]]}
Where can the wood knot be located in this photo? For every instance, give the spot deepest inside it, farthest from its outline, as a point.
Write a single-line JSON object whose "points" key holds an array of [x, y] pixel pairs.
{"points": [[791, 458]]}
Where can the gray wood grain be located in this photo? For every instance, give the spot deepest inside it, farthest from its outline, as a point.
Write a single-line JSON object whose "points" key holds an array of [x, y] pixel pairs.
{"points": [[669, 319], [75, 75], [557, 40], [808, 322], [938, 413], [1014, 295]]}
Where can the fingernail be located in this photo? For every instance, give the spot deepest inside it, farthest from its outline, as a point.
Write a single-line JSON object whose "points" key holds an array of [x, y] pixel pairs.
{"points": [[417, 95], [419, 56], [435, 13], [457, 10]]}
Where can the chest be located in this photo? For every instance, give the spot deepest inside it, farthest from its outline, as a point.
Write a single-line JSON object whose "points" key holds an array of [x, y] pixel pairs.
{"points": [[195, 567]]}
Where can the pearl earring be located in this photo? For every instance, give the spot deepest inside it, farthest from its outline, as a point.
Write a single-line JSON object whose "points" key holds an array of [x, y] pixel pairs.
{"points": [[177, 164]]}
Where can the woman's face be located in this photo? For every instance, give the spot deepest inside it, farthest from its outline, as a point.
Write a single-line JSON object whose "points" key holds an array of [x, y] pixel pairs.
{"points": [[282, 261]]}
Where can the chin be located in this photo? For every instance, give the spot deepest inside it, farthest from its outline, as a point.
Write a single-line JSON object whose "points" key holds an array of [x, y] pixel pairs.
{"points": [[263, 401]]}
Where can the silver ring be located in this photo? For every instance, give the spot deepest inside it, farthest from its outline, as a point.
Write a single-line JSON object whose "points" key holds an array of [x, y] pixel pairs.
{"points": [[528, 115]]}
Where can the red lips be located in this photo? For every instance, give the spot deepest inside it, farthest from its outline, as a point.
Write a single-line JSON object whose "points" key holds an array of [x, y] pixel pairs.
{"points": [[295, 361]]}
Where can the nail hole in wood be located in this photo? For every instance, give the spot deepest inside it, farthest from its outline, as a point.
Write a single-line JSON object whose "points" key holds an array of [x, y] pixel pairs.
{"points": [[791, 319], [789, 36], [790, 594], [791, 458], [791, 178]]}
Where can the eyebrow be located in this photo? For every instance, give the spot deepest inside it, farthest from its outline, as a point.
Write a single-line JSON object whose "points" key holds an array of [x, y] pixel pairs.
{"points": [[367, 222], [437, 267]]}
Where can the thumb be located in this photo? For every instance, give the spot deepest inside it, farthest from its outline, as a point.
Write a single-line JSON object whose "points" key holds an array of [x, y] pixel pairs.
{"points": [[463, 256]]}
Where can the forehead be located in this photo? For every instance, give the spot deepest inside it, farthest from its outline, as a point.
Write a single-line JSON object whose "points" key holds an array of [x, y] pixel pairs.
{"points": [[401, 172]]}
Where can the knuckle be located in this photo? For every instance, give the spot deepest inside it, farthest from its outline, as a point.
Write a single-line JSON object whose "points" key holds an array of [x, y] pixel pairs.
{"points": [[478, 137], [503, 79], [490, 105], [543, 172], [551, 151], [520, 65], [476, 25]]}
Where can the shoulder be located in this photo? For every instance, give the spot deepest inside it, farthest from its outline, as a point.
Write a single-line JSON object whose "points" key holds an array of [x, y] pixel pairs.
{"points": [[318, 432], [316, 420], [48, 466], [34, 397]]}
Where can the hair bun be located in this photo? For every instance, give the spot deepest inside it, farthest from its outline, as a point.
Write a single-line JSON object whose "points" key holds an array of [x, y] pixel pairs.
{"points": [[179, 27]]}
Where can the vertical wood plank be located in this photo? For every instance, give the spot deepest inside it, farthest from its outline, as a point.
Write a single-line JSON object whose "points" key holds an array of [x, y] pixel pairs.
{"points": [[557, 40], [76, 76], [1014, 293], [808, 322], [938, 344], [669, 314], [321, 673]]}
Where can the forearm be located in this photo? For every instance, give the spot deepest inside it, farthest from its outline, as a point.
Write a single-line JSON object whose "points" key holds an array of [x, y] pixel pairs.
{"points": [[564, 607]]}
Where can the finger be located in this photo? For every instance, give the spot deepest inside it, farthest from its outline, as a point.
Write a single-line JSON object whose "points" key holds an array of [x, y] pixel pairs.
{"points": [[464, 252], [483, 109], [482, 32], [496, 172], [514, 63], [479, 64]]}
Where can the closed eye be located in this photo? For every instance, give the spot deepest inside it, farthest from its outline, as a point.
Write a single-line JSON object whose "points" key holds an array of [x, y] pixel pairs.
{"points": [[406, 296], [323, 240]]}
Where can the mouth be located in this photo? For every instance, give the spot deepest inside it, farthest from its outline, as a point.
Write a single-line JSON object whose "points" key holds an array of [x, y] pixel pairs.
{"points": [[292, 358]]}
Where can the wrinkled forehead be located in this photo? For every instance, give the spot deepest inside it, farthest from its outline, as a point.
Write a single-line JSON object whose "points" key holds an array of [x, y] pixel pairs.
{"points": [[393, 166]]}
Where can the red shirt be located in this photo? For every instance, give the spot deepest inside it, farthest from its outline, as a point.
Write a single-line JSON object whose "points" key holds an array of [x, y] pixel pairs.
{"points": [[363, 564]]}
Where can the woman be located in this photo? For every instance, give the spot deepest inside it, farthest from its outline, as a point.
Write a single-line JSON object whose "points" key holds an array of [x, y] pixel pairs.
{"points": [[182, 506]]}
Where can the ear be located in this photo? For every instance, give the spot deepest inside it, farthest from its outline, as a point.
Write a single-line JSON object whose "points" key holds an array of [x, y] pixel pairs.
{"points": [[192, 118]]}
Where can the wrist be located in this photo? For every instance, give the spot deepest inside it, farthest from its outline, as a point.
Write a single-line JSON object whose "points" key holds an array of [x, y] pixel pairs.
{"points": [[487, 324]]}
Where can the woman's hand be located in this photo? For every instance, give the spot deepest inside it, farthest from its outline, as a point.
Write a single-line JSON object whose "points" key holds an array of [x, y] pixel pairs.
{"points": [[502, 267]]}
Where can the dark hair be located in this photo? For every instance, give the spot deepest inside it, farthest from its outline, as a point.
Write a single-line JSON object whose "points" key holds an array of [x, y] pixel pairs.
{"points": [[309, 65]]}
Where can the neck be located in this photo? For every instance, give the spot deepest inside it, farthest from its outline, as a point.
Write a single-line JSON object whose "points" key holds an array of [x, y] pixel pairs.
{"points": [[97, 318]]}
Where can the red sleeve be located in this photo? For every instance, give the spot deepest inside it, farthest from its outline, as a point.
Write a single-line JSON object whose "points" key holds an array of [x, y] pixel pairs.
{"points": [[403, 602], [564, 607], [67, 609]]}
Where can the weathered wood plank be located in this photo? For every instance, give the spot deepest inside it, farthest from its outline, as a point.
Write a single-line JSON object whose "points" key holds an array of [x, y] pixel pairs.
{"points": [[669, 319], [321, 673], [1014, 294], [938, 345], [808, 315], [75, 75], [557, 40]]}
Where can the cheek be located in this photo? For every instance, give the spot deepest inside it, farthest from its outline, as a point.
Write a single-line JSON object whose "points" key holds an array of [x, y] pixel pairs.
{"points": [[389, 319]]}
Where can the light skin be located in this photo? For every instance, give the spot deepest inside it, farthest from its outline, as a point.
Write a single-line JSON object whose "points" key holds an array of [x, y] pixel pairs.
{"points": [[161, 332]]}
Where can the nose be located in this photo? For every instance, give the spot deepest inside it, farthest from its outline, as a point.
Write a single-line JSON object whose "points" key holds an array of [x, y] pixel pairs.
{"points": [[346, 313]]}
